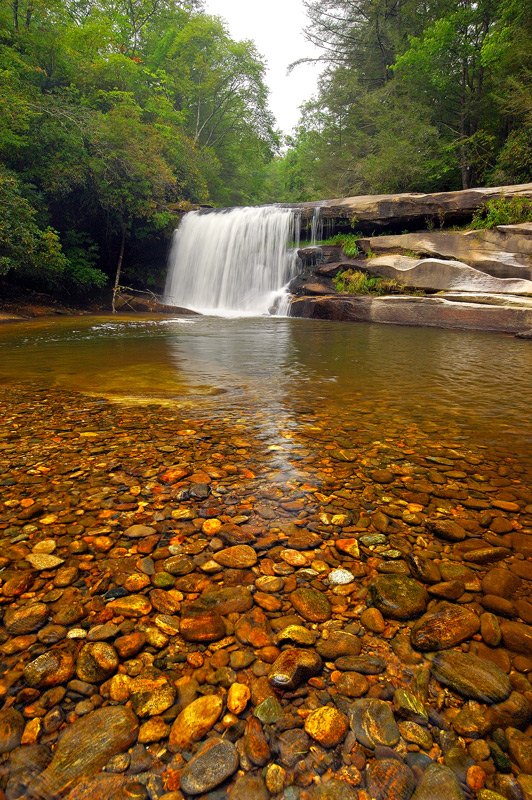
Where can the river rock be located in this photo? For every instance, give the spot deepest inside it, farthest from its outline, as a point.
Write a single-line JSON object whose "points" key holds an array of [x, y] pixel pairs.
{"points": [[194, 721], [398, 596], [201, 626], [438, 782], [446, 529], [332, 790], [443, 627], [520, 747], [501, 582], [96, 662], [212, 765], [339, 643], [253, 628], [515, 712], [49, 669], [517, 637], [298, 635], [41, 561], [239, 557], [134, 606], [26, 619], [352, 684], [366, 665], [151, 693], [327, 725], [139, 531], [424, 569], [84, 748], [471, 676], [294, 666], [11, 728], [373, 723], [311, 604], [389, 779]]}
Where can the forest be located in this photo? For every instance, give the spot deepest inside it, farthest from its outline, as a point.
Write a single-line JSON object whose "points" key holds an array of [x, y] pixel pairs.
{"points": [[116, 117]]}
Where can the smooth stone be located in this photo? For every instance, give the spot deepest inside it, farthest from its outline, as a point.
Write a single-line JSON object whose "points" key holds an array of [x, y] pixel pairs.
{"points": [[501, 582], [498, 605], [139, 531], [11, 728], [151, 693], [202, 627], [471, 676], [240, 556], [49, 669], [41, 561], [311, 604], [398, 596], [448, 590], [365, 665], [514, 712], [84, 748], [352, 684], [520, 748], [178, 565], [446, 529], [372, 620], [416, 734], [194, 721], [26, 619], [249, 787], [254, 628], [297, 634], [339, 643], [517, 637], [134, 606], [373, 723], [490, 629], [212, 765], [332, 790], [293, 666], [96, 662], [424, 569], [408, 705], [443, 627], [389, 779], [438, 782], [340, 577], [238, 697], [269, 711], [327, 725]]}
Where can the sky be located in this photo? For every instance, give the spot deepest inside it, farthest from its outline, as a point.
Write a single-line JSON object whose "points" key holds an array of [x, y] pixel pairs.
{"points": [[276, 27]]}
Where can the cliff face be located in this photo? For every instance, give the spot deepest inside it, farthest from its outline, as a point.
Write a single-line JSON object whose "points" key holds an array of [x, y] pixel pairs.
{"points": [[477, 279], [409, 210]]}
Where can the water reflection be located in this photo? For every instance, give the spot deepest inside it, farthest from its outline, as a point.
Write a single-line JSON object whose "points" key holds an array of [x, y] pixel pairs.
{"points": [[272, 368]]}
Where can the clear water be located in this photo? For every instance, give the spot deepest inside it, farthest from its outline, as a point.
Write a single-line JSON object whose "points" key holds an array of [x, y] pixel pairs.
{"points": [[233, 262], [469, 386]]}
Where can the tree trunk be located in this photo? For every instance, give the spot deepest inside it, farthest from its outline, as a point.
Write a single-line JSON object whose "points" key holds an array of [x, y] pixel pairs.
{"points": [[119, 267]]}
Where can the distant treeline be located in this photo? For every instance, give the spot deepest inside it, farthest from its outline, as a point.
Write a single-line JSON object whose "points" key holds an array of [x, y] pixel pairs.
{"points": [[414, 96], [113, 115]]}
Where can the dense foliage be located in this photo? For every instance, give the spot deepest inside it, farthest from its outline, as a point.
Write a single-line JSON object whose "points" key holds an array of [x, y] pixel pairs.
{"points": [[113, 116], [414, 96]]}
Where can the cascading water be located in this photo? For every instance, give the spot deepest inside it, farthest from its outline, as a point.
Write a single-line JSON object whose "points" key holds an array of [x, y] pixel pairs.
{"points": [[233, 262]]}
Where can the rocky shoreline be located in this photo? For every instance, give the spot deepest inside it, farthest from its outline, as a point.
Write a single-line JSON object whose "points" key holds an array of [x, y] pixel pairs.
{"points": [[177, 622]]}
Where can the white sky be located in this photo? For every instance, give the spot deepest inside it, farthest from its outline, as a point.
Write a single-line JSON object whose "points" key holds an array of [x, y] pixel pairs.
{"points": [[276, 27]]}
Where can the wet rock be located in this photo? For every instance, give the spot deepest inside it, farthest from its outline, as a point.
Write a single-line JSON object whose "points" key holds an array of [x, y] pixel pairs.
{"points": [[332, 790], [446, 529], [249, 787], [372, 620], [298, 635], [201, 626], [212, 765], [388, 779], [253, 628], [409, 706], [294, 744], [41, 561], [294, 666], [11, 728], [424, 569], [327, 725], [239, 557], [139, 531], [49, 669], [151, 694], [26, 619], [438, 782], [398, 596], [311, 604], [515, 712], [194, 721], [443, 627], [352, 684], [517, 637], [96, 662], [337, 644], [366, 665], [80, 753], [520, 747], [490, 629], [134, 606], [471, 676], [373, 723], [255, 743], [501, 582], [269, 711]]}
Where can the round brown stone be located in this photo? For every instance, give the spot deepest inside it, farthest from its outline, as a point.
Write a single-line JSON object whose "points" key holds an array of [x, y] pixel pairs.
{"points": [[134, 605], [96, 662], [311, 604], [49, 669], [327, 725], [239, 556]]}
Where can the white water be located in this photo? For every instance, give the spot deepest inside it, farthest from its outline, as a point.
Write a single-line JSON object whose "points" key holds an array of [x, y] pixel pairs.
{"points": [[233, 262]]}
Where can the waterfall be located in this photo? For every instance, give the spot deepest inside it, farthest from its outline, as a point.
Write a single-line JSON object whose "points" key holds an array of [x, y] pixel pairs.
{"points": [[234, 261]]}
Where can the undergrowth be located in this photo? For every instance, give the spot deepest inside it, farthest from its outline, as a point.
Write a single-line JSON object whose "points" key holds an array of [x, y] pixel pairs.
{"points": [[357, 282], [503, 211]]}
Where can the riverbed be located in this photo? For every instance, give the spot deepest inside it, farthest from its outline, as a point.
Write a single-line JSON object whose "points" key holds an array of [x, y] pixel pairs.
{"points": [[314, 513]]}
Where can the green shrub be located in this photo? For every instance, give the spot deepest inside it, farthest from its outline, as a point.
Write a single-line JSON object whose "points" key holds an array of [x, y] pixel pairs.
{"points": [[357, 282], [503, 211], [347, 241]]}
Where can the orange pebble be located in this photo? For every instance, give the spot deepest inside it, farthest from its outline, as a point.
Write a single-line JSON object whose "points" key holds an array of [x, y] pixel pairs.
{"points": [[195, 660], [476, 777]]}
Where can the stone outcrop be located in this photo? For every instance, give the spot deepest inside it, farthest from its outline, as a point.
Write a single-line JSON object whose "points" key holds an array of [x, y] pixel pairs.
{"points": [[410, 209]]}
